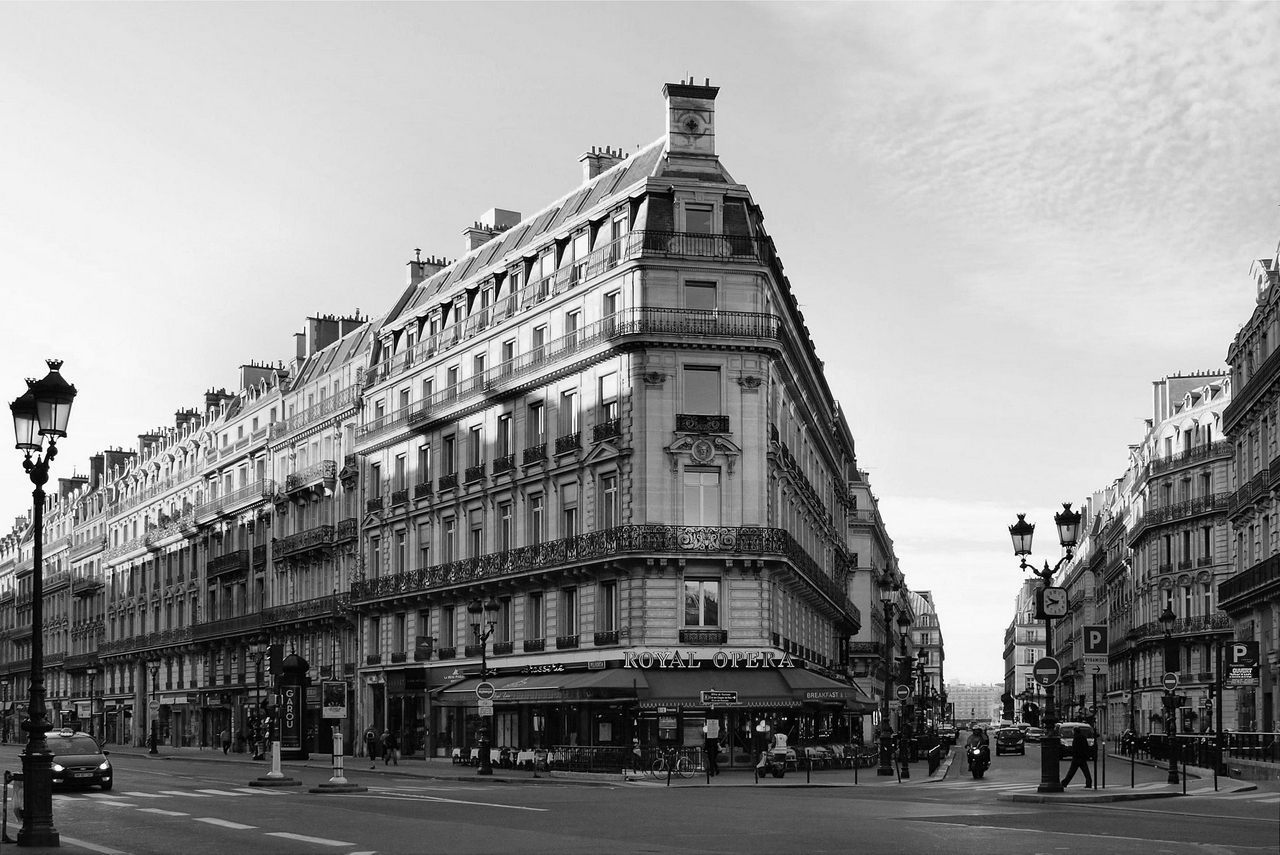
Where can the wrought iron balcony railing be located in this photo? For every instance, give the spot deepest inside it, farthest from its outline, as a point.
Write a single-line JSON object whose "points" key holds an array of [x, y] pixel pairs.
{"points": [[692, 423], [422, 491], [535, 645], [399, 497], [474, 473], [374, 505], [345, 399], [503, 648], [448, 482], [568, 443], [1260, 580], [606, 430], [704, 636], [604, 545], [229, 562], [506, 463], [566, 642], [303, 541], [606, 638], [327, 606], [325, 470], [534, 453]]}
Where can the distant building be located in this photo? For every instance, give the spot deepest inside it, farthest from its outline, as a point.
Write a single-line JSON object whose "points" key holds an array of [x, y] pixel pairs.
{"points": [[975, 701]]}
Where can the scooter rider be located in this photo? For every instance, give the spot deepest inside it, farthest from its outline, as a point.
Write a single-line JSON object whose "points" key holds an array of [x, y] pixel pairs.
{"points": [[978, 737]]}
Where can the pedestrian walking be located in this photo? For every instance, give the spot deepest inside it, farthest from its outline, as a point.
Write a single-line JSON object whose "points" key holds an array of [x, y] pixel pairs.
{"points": [[1080, 751], [371, 747], [225, 738], [390, 748], [711, 736]]}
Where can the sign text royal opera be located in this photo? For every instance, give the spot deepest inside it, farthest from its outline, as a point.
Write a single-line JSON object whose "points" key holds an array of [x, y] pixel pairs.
{"points": [[719, 659]]}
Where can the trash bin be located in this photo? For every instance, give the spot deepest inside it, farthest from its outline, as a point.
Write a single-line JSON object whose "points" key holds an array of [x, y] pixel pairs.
{"points": [[14, 791]]}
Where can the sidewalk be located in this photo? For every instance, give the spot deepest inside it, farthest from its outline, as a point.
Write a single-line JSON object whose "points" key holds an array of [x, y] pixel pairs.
{"points": [[1198, 781], [357, 770]]}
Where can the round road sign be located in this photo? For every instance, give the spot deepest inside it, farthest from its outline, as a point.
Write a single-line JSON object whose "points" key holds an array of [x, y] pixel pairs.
{"points": [[485, 691], [903, 692], [1046, 671], [1170, 681]]}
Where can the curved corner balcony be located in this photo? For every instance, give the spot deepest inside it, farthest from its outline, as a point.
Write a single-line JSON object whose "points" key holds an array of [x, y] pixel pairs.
{"points": [[601, 546], [324, 473]]}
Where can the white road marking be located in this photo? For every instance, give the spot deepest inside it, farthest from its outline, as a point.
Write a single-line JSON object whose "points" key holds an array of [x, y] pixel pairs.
{"points": [[260, 791], [222, 792], [92, 847], [191, 793], [319, 841], [412, 798], [224, 823], [146, 795], [163, 812], [107, 796]]}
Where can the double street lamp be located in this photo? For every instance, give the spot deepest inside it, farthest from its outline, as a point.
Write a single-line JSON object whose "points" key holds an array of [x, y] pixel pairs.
{"points": [[489, 611], [42, 411], [1068, 523], [1167, 619], [888, 599]]}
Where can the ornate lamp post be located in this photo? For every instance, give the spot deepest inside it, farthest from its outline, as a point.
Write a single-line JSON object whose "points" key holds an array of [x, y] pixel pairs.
{"points": [[258, 650], [154, 739], [43, 410], [1068, 523], [1167, 619], [922, 692], [92, 673], [888, 591], [490, 612]]}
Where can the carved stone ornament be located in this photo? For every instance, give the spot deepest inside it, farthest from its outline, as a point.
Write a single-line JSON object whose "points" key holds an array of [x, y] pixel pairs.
{"points": [[749, 382], [701, 451], [654, 378]]}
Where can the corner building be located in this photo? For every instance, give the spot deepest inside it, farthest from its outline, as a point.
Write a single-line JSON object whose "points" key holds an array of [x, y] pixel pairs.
{"points": [[607, 423]]}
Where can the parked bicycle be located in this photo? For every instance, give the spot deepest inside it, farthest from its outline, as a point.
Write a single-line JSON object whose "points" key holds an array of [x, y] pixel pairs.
{"points": [[673, 761]]}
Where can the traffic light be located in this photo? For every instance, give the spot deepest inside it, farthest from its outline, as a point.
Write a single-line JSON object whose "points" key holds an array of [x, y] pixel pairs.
{"points": [[1213, 692], [275, 659]]}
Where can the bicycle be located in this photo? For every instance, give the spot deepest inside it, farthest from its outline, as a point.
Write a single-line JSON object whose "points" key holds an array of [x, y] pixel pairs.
{"points": [[674, 761]]}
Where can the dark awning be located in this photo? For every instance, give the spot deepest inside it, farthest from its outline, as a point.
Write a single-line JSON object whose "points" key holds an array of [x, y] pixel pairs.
{"points": [[813, 687], [684, 688], [547, 688]]}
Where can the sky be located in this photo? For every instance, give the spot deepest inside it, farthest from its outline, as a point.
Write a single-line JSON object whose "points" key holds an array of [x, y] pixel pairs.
{"points": [[1003, 222]]}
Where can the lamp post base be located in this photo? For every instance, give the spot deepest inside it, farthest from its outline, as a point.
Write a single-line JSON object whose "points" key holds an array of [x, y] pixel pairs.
{"points": [[37, 814], [886, 756], [1050, 782]]}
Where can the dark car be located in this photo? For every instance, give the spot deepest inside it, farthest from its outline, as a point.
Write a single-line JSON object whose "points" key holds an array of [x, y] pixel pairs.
{"points": [[78, 760], [1009, 740]]}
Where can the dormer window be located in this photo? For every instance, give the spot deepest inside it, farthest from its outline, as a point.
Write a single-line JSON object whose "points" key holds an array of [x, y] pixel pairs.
{"points": [[698, 219]]}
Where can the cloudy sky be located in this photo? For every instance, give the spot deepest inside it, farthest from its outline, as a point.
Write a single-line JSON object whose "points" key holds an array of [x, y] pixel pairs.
{"points": [[1003, 222]]}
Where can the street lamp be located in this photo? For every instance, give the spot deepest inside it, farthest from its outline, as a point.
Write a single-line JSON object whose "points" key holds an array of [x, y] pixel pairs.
{"points": [[922, 693], [43, 410], [154, 739], [1167, 618], [888, 591], [257, 650], [490, 612], [1068, 523], [92, 673]]}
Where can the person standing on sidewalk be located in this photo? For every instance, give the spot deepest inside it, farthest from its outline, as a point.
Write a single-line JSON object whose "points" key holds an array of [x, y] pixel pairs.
{"points": [[371, 747], [225, 738], [389, 746], [1080, 751], [711, 731]]}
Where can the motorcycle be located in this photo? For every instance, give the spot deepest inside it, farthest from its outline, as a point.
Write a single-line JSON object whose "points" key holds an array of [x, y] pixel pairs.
{"points": [[978, 760]]}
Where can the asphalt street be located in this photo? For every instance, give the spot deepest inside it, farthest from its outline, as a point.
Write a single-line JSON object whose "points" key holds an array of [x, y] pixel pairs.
{"points": [[196, 805]]}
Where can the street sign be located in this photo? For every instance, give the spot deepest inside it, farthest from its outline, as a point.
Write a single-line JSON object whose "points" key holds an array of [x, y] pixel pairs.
{"points": [[153, 705], [1242, 664], [713, 698], [1170, 681], [903, 692], [485, 692], [1095, 668], [1046, 671], [1095, 649], [486, 707]]}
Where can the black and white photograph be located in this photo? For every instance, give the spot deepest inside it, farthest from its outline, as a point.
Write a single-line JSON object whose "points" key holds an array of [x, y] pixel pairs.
{"points": [[640, 427]]}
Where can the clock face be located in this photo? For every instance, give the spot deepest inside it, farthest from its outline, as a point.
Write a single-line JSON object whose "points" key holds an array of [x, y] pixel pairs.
{"points": [[1055, 602]]}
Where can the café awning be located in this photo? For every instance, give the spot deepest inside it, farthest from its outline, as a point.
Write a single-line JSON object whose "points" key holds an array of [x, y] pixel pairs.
{"points": [[556, 687]]}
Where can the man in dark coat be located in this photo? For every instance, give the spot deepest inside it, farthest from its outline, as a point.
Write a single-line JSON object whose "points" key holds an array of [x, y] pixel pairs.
{"points": [[1079, 759]]}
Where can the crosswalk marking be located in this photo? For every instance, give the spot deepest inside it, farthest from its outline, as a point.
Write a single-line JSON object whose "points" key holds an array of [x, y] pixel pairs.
{"points": [[319, 841], [222, 792], [163, 812], [137, 795], [224, 823], [191, 793], [260, 791]]}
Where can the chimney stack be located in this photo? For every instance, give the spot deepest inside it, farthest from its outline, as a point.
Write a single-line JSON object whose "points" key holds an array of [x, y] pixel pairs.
{"points": [[691, 123], [421, 269], [597, 161], [97, 468]]}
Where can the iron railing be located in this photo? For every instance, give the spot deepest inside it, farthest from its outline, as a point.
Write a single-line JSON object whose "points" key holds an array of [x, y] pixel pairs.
{"points": [[602, 545]]}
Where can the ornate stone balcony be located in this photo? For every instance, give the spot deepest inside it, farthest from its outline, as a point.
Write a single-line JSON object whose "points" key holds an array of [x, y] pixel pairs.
{"points": [[326, 472], [305, 541], [230, 562]]}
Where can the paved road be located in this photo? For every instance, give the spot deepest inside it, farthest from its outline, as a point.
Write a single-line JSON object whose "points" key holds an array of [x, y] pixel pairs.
{"points": [[194, 807]]}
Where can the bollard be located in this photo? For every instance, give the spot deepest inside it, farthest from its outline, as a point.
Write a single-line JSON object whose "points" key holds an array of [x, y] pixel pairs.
{"points": [[338, 759], [338, 783]]}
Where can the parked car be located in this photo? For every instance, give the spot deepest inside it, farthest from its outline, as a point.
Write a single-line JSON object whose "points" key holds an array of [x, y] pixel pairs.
{"points": [[1066, 731], [1034, 734], [78, 760], [1009, 741]]}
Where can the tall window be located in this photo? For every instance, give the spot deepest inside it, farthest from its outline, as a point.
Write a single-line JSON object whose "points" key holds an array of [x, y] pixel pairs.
{"points": [[608, 501], [506, 529], [701, 602], [607, 607], [701, 496], [448, 627], [400, 474], [424, 546], [568, 510], [401, 554], [567, 620], [448, 531], [375, 480], [398, 632], [539, 341], [475, 448], [568, 412], [451, 382], [537, 423], [375, 557], [503, 439], [424, 464], [503, 630], [534, 616], [700, 295], [537, 524], [508, 355], [450, 455], [572, 321], [477, 533], [701, 390], [609, 397]]}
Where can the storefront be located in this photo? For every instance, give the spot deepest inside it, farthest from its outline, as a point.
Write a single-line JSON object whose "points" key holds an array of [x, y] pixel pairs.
{"points": [[662, 698]]}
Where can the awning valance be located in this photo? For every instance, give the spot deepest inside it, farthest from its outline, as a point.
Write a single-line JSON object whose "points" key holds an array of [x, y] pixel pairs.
{"points": [[554, 687], [784, 687]]}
